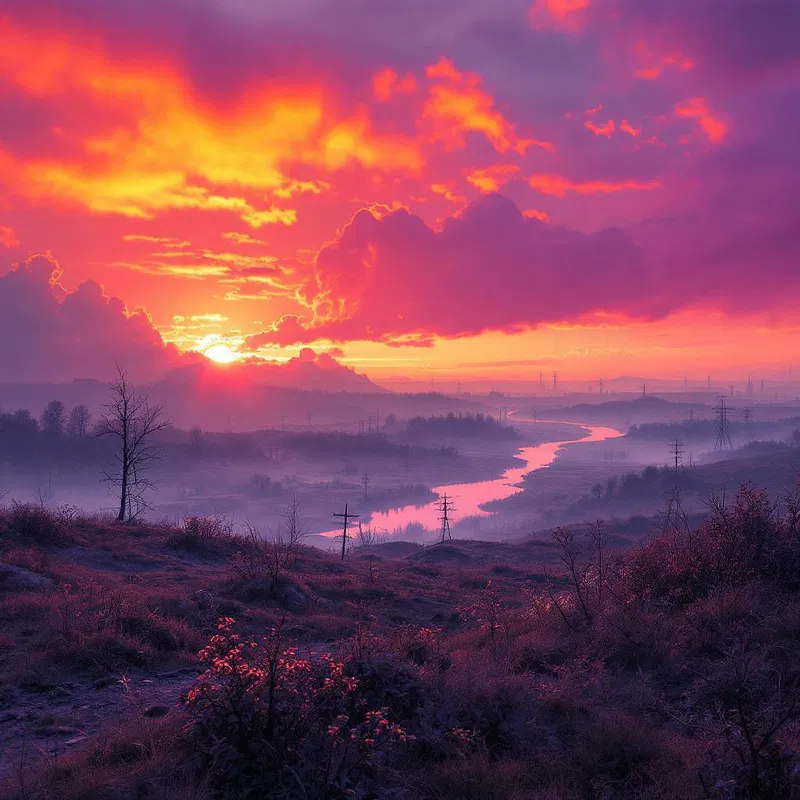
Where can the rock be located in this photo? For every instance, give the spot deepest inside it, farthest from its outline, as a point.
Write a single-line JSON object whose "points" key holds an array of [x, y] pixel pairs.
{"points": [[156, 711], [17, 579], [205, 600]]}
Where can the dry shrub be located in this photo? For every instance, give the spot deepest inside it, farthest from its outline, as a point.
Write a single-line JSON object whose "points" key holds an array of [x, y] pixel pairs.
{"points": [[100, 627], [210, 536], [30, 522]]}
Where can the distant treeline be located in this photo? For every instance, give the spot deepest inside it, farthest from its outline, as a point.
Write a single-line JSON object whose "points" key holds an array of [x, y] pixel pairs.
{"points": [[68, 437], [704, 429], [460, 426], [323, 445], [58, 436], [348, 445]]}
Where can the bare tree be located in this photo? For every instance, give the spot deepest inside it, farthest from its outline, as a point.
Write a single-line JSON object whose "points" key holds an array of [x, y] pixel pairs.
{"points": [[269, 557], [132, 420], [53, 418], [78, 424], [196, 437]]}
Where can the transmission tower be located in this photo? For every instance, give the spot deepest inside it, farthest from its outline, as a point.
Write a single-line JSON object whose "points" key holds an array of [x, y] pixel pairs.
{"points": [[677, 454], [747, 413], [555, 381], [445, 508], [722, 413]]}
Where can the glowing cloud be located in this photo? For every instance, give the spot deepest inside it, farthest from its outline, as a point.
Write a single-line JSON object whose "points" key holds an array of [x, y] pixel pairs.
{"points": [[714, 128], [652, 64], [457, 105], [562, 15], [606, 130], [242, 238], [387, 83], [558, 186], [167, 145], [492, 178], [7, 237], [533, 213], [626, 127]]}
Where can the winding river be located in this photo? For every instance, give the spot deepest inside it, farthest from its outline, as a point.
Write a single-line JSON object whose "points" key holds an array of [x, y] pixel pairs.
{"points": [[469, 497]]}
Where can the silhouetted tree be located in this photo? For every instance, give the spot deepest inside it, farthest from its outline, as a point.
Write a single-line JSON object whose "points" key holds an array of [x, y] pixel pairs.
{"points": [[53, 418], [78, 424], [196, 437], [132, 420]]}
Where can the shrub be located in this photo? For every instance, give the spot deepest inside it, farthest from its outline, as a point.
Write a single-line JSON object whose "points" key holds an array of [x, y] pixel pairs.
{"points": [[270, 723], [206, 536], [35, 523]]}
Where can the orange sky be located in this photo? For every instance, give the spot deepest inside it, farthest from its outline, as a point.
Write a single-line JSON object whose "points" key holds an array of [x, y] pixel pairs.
{"points": [[215, 181]]}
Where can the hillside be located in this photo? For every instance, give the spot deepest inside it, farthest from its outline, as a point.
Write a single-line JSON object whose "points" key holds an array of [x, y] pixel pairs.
{"points": [[557, 668]]}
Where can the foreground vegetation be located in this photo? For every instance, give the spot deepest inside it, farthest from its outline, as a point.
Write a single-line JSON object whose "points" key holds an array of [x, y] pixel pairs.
{"points": [[163, 661]]}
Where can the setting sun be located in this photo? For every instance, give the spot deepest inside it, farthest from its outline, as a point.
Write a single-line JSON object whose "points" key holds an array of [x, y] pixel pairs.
{"points": [[221, 353]]}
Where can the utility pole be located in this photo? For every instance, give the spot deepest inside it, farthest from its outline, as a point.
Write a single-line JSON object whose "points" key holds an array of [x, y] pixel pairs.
{"points": [[365, 481], [445, 507], [346, 517], [722, 412], [555, 381]]}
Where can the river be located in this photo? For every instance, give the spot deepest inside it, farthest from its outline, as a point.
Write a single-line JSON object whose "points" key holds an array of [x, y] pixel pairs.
{"points": [[469, 497]]}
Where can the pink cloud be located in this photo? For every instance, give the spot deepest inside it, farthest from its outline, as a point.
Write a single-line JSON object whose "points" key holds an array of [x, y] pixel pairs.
{"points": [[390, 277], [59, 335]]}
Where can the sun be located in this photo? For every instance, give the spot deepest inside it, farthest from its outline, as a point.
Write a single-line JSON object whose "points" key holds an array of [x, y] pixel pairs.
{"points": [[221, 353]]}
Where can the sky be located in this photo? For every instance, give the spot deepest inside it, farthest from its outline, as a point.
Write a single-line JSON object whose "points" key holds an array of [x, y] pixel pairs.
{"points": [[418, 188]]}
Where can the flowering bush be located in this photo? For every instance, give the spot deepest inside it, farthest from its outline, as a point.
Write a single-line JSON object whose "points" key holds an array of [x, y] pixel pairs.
{"points": [[271, 722]]}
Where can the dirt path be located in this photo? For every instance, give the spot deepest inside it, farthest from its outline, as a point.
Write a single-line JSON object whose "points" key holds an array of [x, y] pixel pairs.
{"points": [[46, 721]]}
